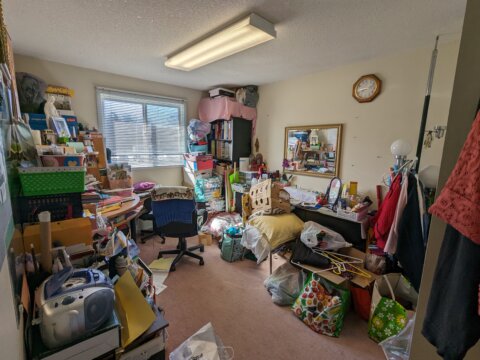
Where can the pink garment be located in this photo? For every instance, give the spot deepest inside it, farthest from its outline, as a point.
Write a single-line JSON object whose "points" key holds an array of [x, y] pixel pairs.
{"points": [[459, 202], [391, 245], [224, 107]]}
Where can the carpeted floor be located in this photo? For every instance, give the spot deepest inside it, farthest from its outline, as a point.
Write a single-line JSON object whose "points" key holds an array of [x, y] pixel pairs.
{"points": [[232, 297]]}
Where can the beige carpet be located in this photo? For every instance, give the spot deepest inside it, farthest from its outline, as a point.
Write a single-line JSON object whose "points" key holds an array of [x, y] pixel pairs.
{"points": [[232, 297]]}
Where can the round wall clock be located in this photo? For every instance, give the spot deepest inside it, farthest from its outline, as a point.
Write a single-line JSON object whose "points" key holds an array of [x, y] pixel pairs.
{"points": [[366, 88]]}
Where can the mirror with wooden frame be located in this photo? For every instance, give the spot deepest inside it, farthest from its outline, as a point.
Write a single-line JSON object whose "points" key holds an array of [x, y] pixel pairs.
{"points": [[313, 150]]}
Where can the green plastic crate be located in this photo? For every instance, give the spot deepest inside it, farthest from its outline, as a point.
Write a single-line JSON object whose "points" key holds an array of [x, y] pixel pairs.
{"points": [[52, 180]]}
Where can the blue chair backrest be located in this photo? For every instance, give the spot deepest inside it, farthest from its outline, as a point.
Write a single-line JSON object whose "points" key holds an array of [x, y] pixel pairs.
{"points": [[174, 210]]}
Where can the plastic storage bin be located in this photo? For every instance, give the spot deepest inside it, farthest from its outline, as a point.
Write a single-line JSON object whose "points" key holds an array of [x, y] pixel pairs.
{"points": [[52, 180], [198, 148], [198, 162], [61, 207]]}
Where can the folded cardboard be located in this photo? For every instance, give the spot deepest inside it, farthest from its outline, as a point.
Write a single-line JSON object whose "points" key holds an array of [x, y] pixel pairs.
{"points": [[134, 313], [358, 280]]}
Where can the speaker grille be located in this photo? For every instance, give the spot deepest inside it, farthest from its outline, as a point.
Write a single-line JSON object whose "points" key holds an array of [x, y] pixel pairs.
{"points": [[98, 308]]}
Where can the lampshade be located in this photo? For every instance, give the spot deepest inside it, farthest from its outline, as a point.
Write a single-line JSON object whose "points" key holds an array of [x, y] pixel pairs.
{"points": [[400, 147], [429, 176], [250, 31]]}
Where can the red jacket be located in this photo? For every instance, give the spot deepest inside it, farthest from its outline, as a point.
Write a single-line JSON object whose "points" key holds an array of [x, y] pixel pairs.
{"points": [[386, 212]]}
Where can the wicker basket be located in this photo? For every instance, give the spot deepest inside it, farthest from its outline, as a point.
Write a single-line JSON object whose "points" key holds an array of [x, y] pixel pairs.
{"points": [[53, 180]]}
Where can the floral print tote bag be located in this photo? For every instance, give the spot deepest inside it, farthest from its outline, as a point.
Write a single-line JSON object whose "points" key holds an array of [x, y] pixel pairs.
{"points": [[322, 305], [388, 317]]}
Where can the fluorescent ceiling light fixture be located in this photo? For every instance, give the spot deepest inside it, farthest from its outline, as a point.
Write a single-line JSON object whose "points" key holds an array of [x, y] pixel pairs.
{"points": [[246, 33]]}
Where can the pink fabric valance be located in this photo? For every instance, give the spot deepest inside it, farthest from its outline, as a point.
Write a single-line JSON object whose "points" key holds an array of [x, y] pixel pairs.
{"points": [[224, 107]]}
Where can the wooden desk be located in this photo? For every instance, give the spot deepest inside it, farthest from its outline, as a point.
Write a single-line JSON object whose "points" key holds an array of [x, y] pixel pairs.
{"points": [[127, 214], [353, 231], [125, 208]]}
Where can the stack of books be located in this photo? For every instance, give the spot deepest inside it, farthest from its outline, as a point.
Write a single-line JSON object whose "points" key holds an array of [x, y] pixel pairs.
{"points": [[223, 130], [223, 150]]}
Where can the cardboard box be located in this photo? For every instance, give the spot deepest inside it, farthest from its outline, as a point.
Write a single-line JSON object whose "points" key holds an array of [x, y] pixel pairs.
{"points": [[358, 280], [205, 239], [267, 196], [67, 232]]}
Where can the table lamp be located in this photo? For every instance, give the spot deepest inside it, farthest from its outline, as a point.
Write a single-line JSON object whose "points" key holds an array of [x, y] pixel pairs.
{"points": [[400, 149]]}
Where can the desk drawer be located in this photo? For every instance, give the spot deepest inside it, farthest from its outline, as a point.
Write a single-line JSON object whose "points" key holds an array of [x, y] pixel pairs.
{"points": [[350, 230], [149, 350]]}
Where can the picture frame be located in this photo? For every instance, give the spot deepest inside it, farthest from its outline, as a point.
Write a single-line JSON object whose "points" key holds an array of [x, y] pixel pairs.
{"points": [[61, 127], [313, 150]]}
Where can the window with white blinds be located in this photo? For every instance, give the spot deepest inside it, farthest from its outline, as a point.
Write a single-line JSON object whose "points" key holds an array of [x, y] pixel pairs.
{"points": [[142, 130]]}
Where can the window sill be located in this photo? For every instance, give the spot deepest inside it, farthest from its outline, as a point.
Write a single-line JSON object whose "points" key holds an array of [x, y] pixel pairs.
{"points": [[160, 167]]}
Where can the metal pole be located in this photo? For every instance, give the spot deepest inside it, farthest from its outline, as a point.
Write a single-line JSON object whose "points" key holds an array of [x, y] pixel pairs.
{"points": [[426, 104]]}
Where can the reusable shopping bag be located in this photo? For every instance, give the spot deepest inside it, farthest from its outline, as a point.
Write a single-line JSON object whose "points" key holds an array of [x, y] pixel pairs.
{"points": [[322, 306], [387, 315]]}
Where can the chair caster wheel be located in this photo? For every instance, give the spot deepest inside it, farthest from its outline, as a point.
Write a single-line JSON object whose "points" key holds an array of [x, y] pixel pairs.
{"points": [[202, 263], [172, 268]]}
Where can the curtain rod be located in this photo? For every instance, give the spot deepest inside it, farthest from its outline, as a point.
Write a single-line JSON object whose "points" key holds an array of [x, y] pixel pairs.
{"points": [[139, 93]]}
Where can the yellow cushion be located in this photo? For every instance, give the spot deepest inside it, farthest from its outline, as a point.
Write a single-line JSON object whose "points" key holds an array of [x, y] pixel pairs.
{"points": [[278, 229]]}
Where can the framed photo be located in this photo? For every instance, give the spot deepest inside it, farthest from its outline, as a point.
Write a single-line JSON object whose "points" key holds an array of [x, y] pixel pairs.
{"points": [[60, 126]]}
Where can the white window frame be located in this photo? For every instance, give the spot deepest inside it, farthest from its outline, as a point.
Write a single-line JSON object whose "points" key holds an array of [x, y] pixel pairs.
{"points": [[99, 90]]}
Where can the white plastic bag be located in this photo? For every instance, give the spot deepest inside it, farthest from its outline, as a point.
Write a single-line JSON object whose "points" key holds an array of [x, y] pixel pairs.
{"points": [[254, 241], [198, 130], [204, 344], [220, 222], [285, 284], [397, 347], [331, 241]]}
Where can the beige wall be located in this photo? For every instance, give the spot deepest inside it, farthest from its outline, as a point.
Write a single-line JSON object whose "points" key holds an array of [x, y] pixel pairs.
{"points": [[465, 97], [370, 128], [11, 337], [83, 81]]}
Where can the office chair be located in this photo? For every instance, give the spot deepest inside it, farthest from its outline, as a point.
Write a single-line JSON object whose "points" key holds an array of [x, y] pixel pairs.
{"points": [[148, 216], [179, 218]]}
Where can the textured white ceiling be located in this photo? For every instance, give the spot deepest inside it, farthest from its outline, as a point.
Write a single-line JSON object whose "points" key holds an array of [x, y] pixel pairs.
{"points": [[133, 37]]}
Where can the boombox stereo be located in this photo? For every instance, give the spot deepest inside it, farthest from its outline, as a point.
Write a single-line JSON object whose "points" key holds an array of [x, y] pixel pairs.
{"points": [[73, 303]]}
